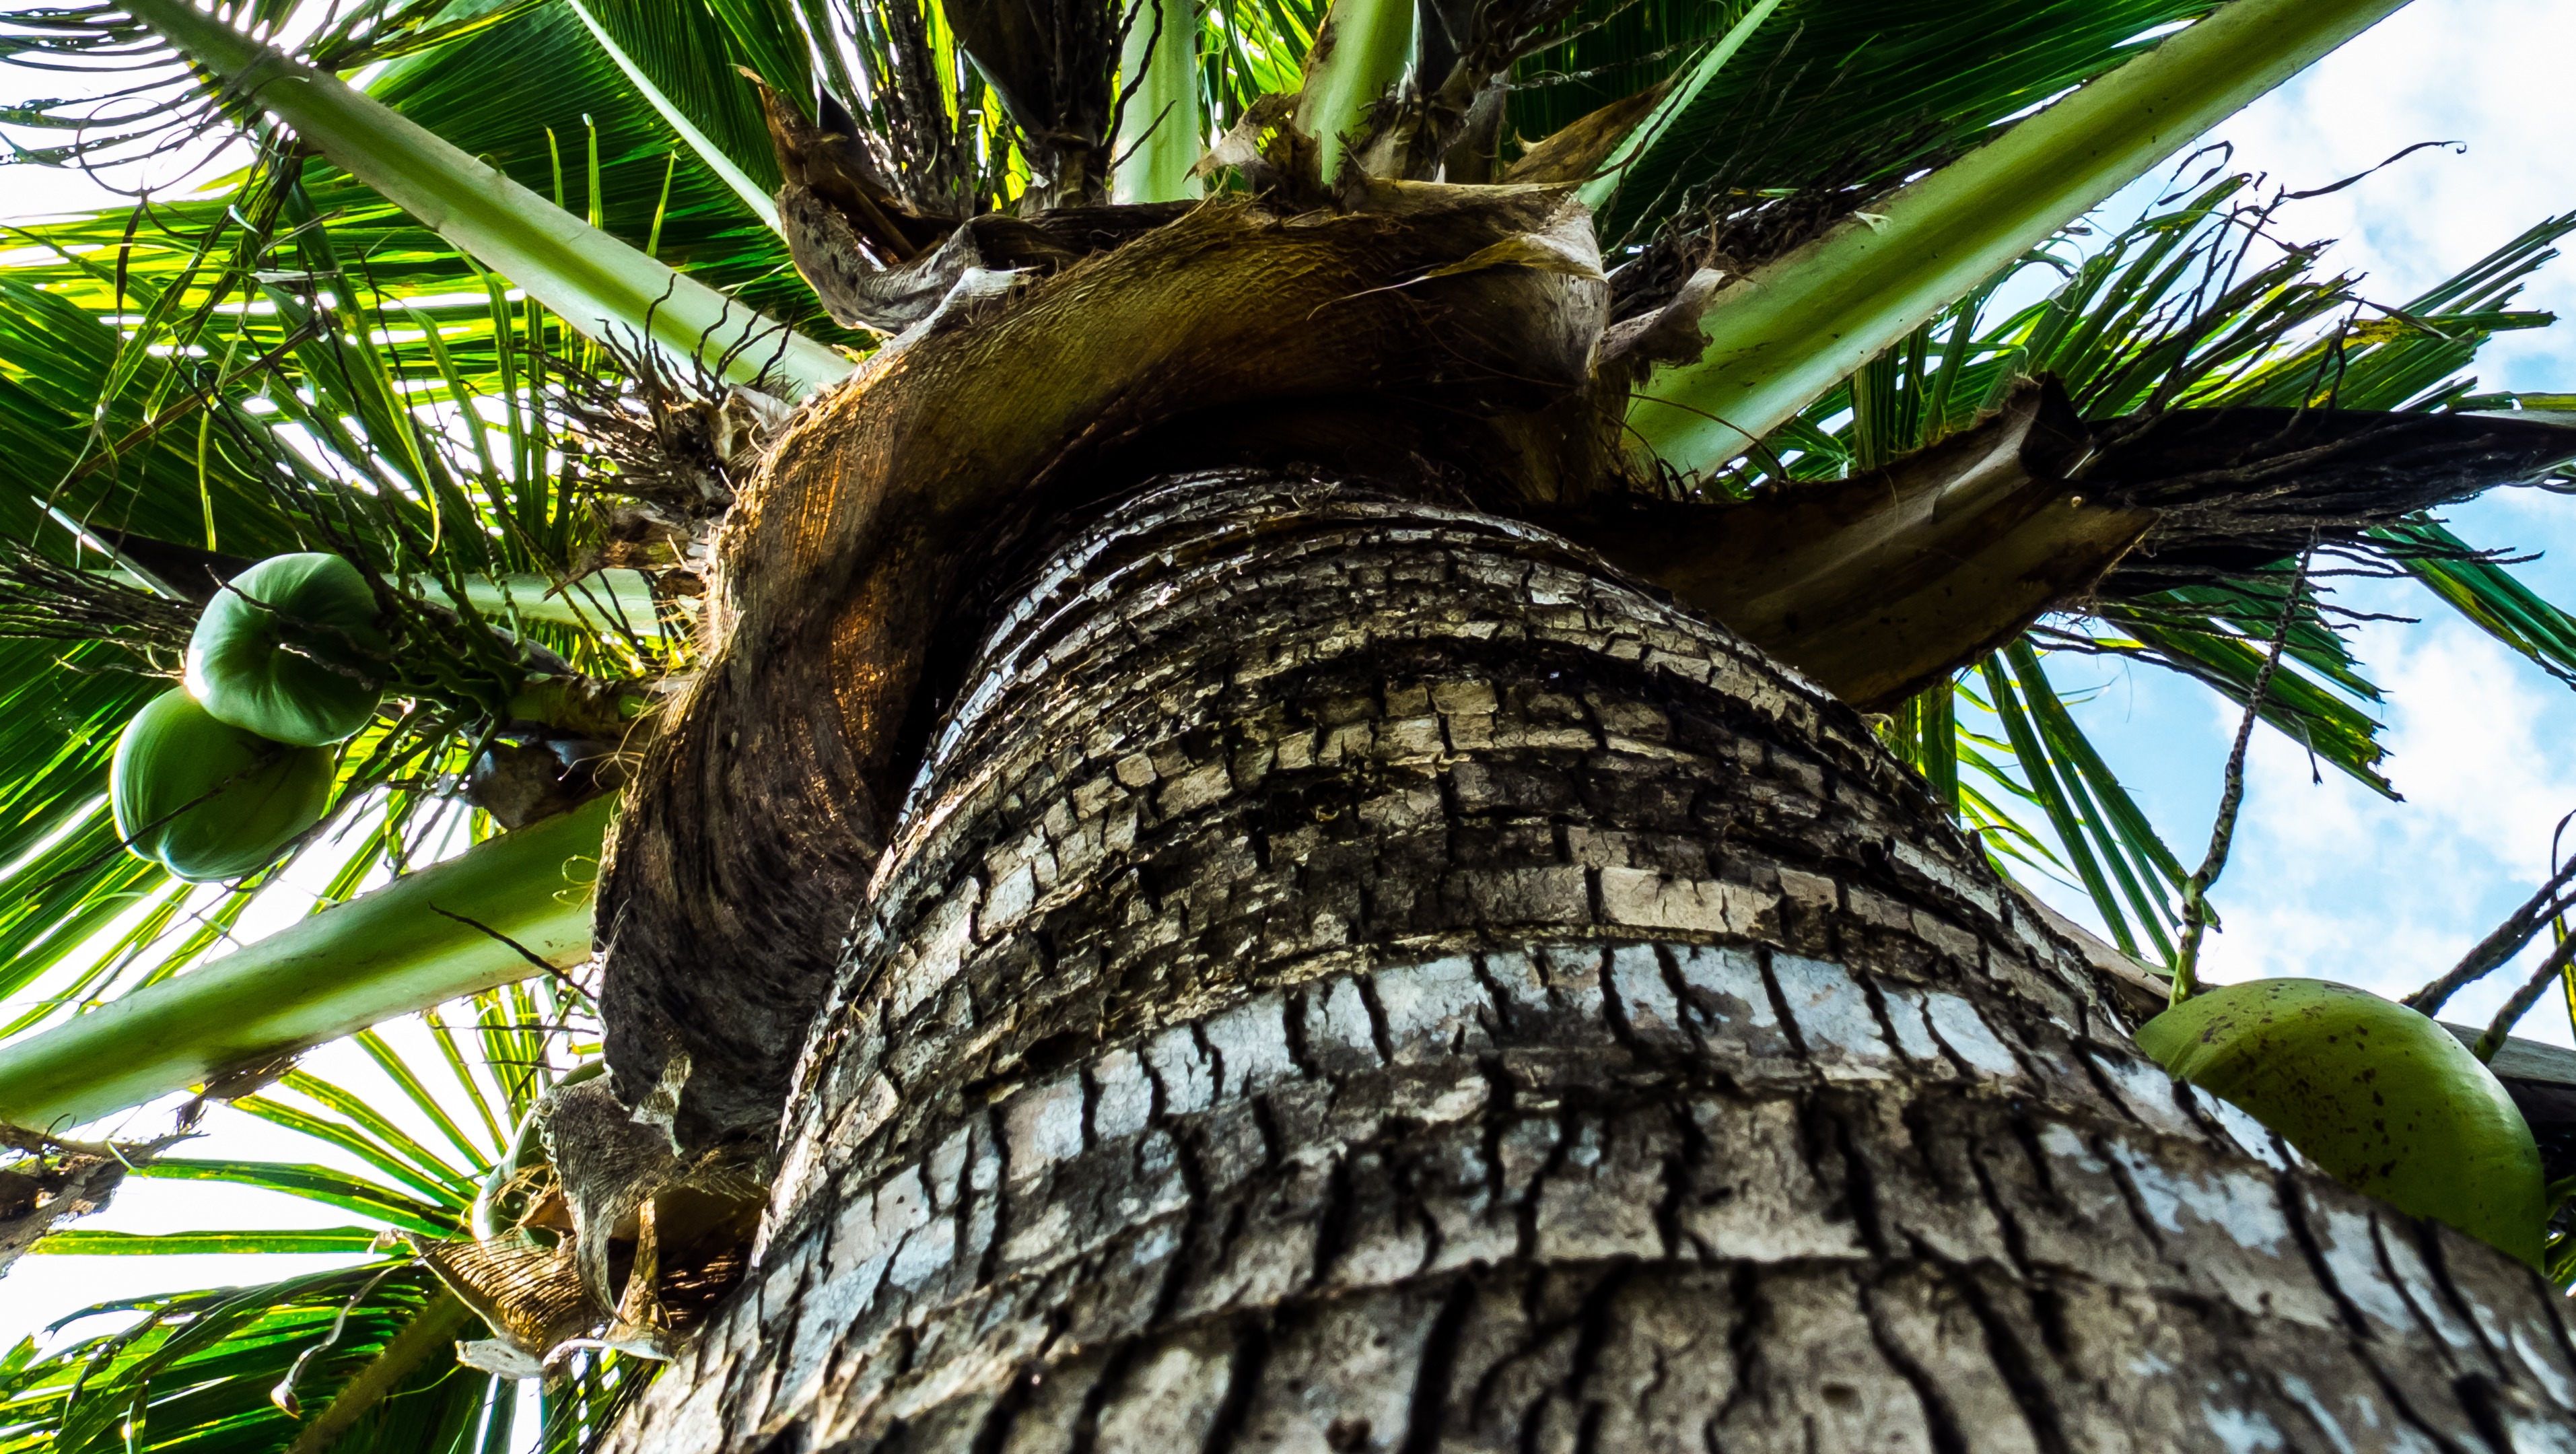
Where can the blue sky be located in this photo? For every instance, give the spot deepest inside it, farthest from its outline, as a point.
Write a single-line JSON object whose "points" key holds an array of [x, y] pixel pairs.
{"points": [[2329, 879], [2326, 879]]}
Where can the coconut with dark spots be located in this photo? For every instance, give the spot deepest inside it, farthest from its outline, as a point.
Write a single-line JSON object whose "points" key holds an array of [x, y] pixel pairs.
{"points": [[2378, 1096]]}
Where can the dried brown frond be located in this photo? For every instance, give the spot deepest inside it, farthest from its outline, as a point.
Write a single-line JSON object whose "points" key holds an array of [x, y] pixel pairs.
{"points": [[43, 599], [2239, 490], [674, 438], [522, 1283], [57, 1181], [1448, 125]]}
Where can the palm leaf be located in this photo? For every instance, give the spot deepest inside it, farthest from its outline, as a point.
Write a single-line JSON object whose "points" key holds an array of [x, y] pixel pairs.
{"points": [[584, 275], [198, 1371], [1799, 322], [2192, 306], [1890, 84], [319, 1184], [297, 1241], [364, 1348], [678, 57], [2490, 597]]}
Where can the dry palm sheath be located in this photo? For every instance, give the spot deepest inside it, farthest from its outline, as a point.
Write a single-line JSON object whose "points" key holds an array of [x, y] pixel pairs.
{"points": [[1449, 340]]}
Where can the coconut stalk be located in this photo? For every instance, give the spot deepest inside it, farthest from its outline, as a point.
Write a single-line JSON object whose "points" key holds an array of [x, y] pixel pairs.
{"points": [[504, 910], [606, 599], [1158, 124], [1781, 337], [594, 282], [1597, 192], [1362, 49]]}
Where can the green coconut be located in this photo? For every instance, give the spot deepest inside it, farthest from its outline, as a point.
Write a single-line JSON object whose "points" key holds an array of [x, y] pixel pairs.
{"points": [[2379, 1097], [207, 799], [289, 650]]}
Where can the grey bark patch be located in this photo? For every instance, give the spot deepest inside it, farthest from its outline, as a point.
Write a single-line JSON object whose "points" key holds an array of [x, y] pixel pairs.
{"points": [[1339, 1035], [1646, 1004], [1434, 1010], [1966, 1035], [1836, 1027]]}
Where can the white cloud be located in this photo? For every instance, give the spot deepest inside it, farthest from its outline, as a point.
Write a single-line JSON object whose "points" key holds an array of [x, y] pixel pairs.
{"points": [[2331, 879], [2489, 74]]}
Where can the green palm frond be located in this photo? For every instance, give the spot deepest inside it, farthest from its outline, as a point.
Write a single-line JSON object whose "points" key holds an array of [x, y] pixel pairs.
{"points": [[1822, 299], [366, 1348], [533, 93], [199, 1368], [2490, 597], [680, 59], [291, 1241], [331, 414], [2193, 306], [1824, 93]]}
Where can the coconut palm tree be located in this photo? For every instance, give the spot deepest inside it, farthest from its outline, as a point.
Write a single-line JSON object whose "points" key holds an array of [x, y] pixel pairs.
{"points": [[1237, 725]]}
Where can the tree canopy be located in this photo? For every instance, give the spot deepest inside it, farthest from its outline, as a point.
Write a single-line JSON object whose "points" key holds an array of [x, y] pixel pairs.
{"points": [[337, 332]]}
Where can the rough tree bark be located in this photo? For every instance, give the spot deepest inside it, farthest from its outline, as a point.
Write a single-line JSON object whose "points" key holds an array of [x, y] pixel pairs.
{"points": [[1357, 974]]}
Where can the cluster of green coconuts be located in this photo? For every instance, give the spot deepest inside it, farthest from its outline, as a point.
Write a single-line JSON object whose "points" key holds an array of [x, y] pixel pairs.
{"points": [[2380, 1097], [214, 780]]}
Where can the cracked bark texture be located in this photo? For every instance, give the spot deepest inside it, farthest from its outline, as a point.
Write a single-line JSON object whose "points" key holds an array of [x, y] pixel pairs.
{"points": [[1358, 975]]}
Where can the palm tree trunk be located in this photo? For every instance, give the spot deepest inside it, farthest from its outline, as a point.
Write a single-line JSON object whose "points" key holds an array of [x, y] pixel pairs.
{"points": [[1355, 974]]}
